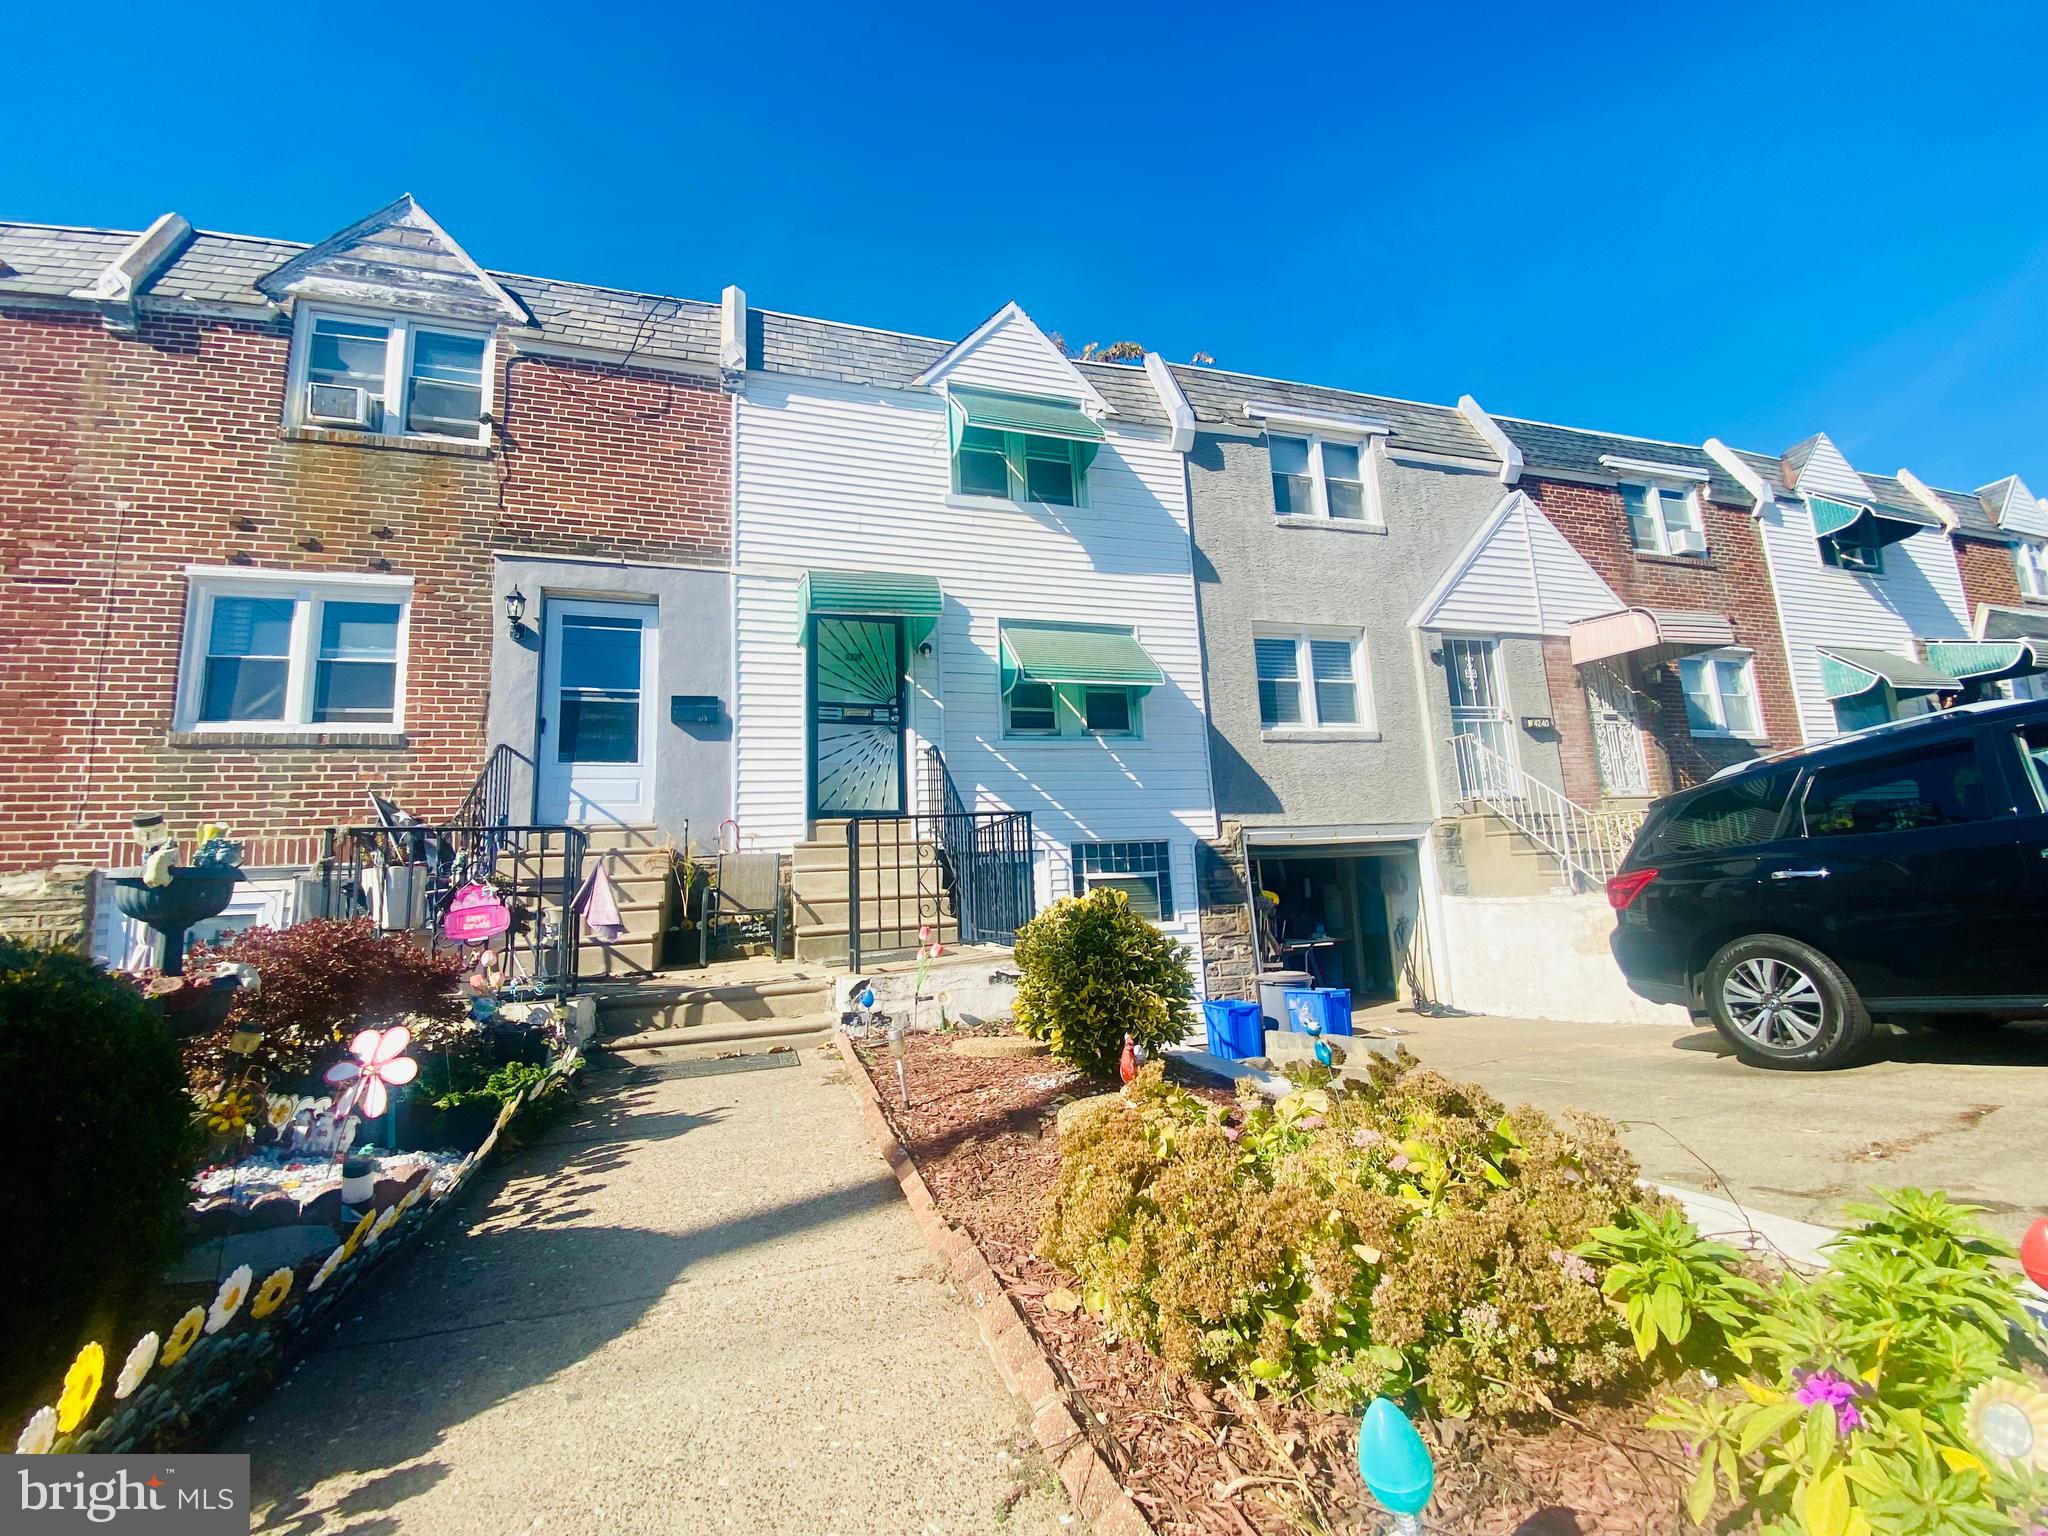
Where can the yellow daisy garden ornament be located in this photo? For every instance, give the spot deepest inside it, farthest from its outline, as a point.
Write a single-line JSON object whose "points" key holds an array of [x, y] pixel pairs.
{"points": [[184, 1334], [81, 1388], [272, 1295]]}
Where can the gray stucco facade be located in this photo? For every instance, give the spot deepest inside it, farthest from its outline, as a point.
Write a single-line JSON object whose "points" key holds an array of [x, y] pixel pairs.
{"points": [[692, 762]]}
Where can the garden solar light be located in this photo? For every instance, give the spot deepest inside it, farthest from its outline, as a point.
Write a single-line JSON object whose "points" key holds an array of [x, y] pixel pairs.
{"points": [[1395, 1464]]}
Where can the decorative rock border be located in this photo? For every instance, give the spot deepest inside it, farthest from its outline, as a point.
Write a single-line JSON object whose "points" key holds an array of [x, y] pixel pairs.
{"points": [[1056, 1423]]}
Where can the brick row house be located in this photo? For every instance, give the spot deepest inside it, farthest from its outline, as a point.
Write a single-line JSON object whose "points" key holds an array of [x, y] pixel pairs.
{"points": [[1322, 680], [285, 525]]}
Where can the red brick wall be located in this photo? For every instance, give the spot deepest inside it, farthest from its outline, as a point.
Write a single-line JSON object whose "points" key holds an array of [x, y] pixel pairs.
{"points": [[124, 460], [1989, 575], [1732, 580]]}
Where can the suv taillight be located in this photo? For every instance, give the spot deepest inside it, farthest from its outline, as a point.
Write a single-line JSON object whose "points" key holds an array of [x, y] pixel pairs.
{"points": [[1625, 888]]}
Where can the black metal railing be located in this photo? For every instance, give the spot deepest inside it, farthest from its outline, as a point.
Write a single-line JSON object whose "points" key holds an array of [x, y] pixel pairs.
{"points": [[959, 876], [405, 879], [489, 801]]}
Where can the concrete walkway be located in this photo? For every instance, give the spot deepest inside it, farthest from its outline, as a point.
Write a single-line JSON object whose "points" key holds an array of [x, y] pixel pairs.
{"points": [[701, 1307], [1963, 1113]]}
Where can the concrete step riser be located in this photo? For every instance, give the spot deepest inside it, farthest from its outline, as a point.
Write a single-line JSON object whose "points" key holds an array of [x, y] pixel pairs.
{"points": [[832, 884], [714, 1014], [820, 916], [824, 856]]}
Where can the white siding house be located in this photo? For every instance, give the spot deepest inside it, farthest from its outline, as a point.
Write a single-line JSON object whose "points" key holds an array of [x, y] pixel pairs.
{"points": [[1896, 587], [845, 451]]}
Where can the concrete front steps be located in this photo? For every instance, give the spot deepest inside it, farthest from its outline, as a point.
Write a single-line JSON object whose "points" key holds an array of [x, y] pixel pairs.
{"points": [[704, 1010], [893, 873], [640, 867], [1502, 861]]}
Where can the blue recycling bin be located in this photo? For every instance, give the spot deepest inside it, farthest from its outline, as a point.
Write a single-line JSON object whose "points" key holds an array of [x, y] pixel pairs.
{"points": [[1235, 1029], [1329, 1007]]}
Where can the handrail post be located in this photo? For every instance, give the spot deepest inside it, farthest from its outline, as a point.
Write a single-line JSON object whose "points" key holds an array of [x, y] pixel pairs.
{"points": [[853, 893]]}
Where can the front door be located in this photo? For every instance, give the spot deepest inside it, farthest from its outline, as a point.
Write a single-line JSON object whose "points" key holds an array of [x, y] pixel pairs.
{"points": [[856, 699], [1479, 711], [597, 712], [1617, 740]]}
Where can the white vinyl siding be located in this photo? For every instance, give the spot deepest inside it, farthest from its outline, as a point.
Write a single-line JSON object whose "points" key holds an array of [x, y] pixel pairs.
{"points": [[1664, 519], [1519, 576], [839, 476], [1920, 599], [1720, 695]]}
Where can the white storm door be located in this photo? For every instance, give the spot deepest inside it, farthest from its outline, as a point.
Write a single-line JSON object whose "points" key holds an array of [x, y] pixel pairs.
{"points": [[598, 702]]}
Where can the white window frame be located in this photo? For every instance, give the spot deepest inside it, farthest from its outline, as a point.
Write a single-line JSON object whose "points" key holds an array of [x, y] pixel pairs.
{"points": [[1311, 722], [1016, 445], [2030, 560], [398, 348], [307, 591], [1657, 495], [1745, 662], [1368, 447]]}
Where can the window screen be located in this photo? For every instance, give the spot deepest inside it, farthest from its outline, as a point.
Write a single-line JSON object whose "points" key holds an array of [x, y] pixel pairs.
{"points": [[1142, 871]]}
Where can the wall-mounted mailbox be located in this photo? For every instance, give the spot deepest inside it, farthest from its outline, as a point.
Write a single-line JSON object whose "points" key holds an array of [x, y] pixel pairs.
{"points": [[1538, 723], [695, 709]]}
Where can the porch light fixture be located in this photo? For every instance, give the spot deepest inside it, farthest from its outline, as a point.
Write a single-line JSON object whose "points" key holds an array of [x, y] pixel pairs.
{"points": [[515, 612]]}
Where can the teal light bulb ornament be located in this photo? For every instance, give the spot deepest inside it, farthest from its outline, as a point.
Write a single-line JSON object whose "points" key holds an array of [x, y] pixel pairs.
{"points": [[1395, 1464]]}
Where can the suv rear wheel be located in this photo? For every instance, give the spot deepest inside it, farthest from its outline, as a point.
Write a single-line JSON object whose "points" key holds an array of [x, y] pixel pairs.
{"points": [[1782, 1003]]}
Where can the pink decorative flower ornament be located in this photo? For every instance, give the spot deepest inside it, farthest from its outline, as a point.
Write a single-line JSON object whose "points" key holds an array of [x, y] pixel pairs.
{"points": [[380, 1063]]}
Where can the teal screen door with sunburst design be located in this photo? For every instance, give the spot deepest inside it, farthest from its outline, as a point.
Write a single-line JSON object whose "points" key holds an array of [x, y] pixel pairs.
{"points": [[856, 689]]}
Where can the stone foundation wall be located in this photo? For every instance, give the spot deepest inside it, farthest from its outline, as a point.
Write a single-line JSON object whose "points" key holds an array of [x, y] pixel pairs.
{"points": [[51, 908], [1230, 958]]}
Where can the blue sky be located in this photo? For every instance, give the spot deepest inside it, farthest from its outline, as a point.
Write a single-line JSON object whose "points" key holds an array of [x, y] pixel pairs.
{"points": [[1756, 222]]}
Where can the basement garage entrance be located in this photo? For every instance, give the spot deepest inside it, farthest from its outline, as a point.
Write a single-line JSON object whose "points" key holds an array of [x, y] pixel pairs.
{"points": [[1345, 913]]}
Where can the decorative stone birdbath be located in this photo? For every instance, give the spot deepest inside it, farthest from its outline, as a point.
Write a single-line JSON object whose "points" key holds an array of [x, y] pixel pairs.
{"points": [[196, 892]]}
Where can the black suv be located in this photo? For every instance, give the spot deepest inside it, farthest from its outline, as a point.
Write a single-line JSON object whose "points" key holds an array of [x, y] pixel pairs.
{"points": [[1901, 871]]}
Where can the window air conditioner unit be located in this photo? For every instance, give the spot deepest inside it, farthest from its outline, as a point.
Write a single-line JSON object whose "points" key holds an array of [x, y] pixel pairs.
{"points": [[1688, 541], [338, 405]]}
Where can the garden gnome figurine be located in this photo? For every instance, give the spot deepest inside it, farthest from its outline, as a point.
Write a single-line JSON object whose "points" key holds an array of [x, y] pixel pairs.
{"points": [[1127, 1065]]}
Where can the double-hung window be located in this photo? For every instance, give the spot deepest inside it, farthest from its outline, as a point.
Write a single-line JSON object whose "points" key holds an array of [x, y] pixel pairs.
{"points": [[1664, 519], [390, 377], [1319, 477], [1070, 709], [285, 653], [1018, 467], [1720, 695], [1312, 681], [2031, 557], [1142, 871]]}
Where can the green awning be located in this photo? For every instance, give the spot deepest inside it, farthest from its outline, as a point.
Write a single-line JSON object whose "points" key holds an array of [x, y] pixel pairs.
{"points": [[1987, 661], [1847, 670], [1105, 654], [1030, 415], [1889, 524], [872, 594]]}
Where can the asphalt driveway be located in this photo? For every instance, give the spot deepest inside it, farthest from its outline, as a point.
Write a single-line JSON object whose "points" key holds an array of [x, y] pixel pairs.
{"points": [[1968, 1114]]}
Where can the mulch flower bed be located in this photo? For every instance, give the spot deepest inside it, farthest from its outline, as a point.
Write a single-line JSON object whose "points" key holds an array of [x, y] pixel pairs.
{"points": [[1206, 1461]]}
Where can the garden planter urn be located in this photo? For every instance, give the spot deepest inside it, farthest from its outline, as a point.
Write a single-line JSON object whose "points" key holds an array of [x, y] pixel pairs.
{"points": [[196, 892]]}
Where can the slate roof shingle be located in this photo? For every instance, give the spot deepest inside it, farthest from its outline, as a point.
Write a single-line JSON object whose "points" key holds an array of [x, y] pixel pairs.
{"points": [[1576, 451], [1218, 398]]}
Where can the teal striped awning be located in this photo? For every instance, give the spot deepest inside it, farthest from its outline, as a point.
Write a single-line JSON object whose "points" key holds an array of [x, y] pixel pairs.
{"points": [[1107, 655], [1988, 661], [1847, 670], [1889, 524], [872, 594], [1026, 415]]}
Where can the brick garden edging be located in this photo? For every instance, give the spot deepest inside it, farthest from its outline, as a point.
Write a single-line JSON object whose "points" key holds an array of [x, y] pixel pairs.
{"points": [[1091, 1483]]}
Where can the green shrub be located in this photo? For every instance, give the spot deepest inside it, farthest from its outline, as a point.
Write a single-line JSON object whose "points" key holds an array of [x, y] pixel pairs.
{"points": [[1685, 1300], [1848, 1409], [1092, 971], [1345, 1242], [96, 1139]]}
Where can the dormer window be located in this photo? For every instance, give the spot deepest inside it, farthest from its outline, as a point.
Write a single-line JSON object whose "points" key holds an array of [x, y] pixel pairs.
{"points": [[2031, 558], [1319, 477], [1021, 448], [390, 377], [1664, 519]]}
